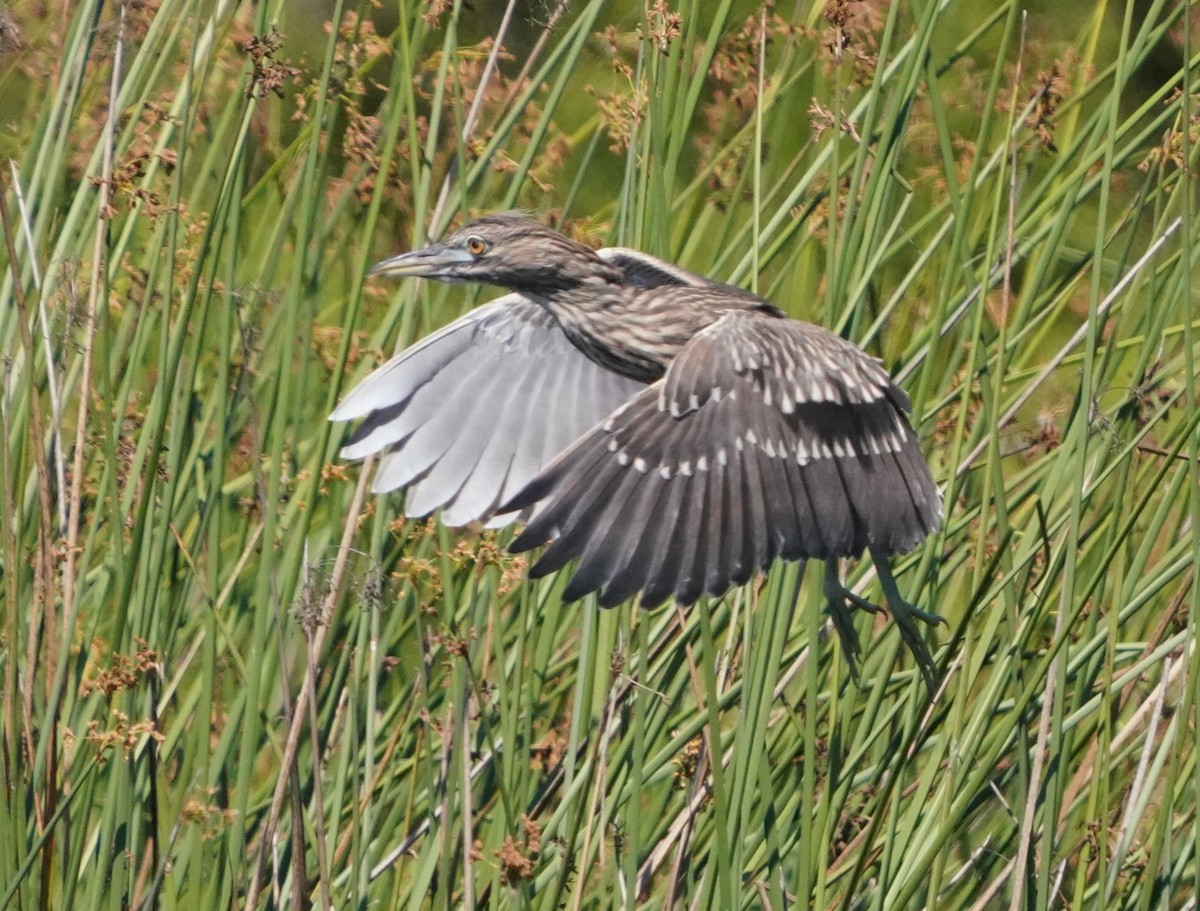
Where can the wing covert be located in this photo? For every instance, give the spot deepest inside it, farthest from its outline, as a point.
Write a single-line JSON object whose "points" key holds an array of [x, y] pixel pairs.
{"points": [[766, 438]]}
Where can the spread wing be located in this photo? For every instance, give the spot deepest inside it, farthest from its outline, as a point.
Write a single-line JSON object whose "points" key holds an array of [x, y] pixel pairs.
{"points": [[475, 410], [767, 438]]}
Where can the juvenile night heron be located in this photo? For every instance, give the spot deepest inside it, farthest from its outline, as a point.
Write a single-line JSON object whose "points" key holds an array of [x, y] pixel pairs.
{"points": [[672, 433]]}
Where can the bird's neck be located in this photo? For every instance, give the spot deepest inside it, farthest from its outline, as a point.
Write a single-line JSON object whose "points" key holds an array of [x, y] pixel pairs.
{"points": [[633, 331]]}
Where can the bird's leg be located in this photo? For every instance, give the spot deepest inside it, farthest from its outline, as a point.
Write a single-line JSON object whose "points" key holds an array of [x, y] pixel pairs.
{"points": [[906, 615], [836, 597]]}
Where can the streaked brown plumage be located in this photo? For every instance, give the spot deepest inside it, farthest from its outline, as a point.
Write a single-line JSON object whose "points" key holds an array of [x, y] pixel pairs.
{"points": [[672, 433]]}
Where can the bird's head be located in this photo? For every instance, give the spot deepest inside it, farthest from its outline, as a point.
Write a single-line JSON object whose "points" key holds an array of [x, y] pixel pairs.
{"points": [[507, 250]]}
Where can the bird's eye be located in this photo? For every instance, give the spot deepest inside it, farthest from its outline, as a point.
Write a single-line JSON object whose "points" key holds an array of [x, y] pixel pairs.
{"points": [[476, 246]]}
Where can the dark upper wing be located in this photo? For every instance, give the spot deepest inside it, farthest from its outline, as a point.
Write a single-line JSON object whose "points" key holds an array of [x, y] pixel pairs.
{"points": [[767, 437], [475, 410]]}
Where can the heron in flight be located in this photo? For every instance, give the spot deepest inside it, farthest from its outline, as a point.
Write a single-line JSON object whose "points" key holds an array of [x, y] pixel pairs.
{"points": [[671, 433]]}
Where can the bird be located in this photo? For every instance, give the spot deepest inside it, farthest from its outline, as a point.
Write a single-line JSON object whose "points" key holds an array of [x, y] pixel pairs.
{"points": [[671, 433]]}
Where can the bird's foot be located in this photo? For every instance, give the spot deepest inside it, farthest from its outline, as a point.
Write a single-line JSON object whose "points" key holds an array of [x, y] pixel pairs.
{"points": [[906, 616], [837, 596], [903, 613]]}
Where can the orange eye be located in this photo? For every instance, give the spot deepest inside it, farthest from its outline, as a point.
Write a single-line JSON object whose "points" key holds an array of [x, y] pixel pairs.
{"points": [[476, 246]]}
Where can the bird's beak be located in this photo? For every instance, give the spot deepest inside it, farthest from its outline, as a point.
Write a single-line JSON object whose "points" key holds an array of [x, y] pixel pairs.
{"points": [[429, 261]]}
